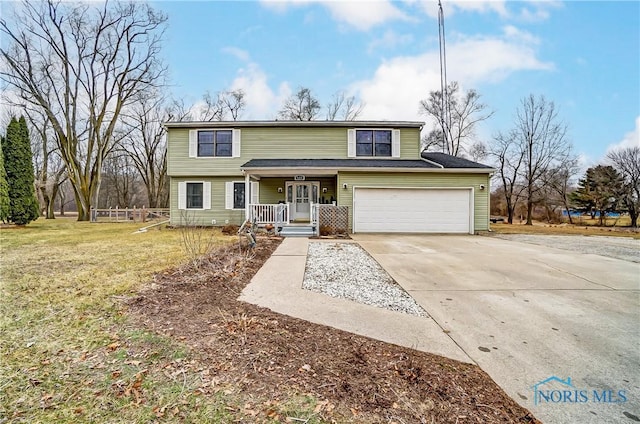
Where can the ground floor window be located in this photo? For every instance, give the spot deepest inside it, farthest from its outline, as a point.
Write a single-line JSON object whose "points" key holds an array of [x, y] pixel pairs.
{"points": [[195, 195]]}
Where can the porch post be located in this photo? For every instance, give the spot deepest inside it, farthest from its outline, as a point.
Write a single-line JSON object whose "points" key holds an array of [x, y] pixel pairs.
{"points": [[247, 194]]}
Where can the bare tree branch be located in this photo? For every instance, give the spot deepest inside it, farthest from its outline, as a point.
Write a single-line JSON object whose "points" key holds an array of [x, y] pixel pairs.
{"points": [[454, 131], [343, 107], [301, 106]]}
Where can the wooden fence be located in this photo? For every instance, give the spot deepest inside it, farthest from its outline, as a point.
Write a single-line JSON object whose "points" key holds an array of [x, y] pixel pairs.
{"points": [[128, 214]]}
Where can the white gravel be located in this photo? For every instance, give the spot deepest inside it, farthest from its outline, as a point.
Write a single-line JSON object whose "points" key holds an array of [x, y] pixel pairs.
{"points": [[625, 248], [345, 270]]}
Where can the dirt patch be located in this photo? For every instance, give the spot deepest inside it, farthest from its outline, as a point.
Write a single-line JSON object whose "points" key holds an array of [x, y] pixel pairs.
{"points": [[270, 357]]}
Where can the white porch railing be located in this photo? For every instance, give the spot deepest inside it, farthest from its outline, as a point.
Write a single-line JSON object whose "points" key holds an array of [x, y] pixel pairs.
{"points": [[313, 215], [277, 214]]}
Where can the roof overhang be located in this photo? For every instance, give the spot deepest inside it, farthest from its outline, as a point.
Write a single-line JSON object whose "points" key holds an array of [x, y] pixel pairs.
{"points": [[294, 124], [287, 171]]}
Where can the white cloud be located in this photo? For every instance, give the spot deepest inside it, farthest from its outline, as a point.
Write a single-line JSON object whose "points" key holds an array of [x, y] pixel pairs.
{"points": [[515, 34], [630, 139], [362, 15], [452, 6], [536, 11], [240, 54], [262, 101], [390, 39], [399, 84], [477, 59]]}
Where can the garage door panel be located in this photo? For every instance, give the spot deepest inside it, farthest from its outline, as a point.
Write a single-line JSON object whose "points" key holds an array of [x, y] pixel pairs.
{"points": [[412, 210]]}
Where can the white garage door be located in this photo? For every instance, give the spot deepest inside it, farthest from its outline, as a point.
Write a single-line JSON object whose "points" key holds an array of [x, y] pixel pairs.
{"points": [[389, 210]]}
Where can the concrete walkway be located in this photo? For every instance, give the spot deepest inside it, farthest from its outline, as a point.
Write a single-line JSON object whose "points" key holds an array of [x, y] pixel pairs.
{"points": [[278, 286]]}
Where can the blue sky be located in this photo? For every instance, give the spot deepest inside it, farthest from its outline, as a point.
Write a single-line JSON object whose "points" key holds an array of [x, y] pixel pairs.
{"points": [[583, 55]]}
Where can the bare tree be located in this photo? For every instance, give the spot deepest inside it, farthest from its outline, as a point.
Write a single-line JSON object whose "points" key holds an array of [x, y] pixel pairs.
{"points": [[343, 107], [92, 59], [121, 186], [456, 117], [221, 106], [210, 110], [50, 169], [509, 158], [542, 136], [559, 180], [146, 145], [627, 163], [300, 106], [234, 102], [478, 151]]}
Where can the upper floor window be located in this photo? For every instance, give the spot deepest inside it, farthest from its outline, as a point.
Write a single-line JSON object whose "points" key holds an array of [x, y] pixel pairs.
{"points": [[215, 143], [373, 142]]}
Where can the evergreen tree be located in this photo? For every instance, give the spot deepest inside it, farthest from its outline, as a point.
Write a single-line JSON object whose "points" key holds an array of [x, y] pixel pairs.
{"points": [[599, 191], [4, 187], [23, 205]]}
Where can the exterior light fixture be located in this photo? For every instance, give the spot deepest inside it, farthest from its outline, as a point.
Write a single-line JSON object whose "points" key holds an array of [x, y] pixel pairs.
{"points": [[344, 186]]}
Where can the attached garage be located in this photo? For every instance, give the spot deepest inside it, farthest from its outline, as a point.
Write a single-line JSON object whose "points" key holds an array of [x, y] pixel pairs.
{"points": [[412, 210]]}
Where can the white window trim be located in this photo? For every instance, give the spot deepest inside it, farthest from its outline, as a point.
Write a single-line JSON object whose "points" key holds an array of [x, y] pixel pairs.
{"points": [[206, 195], [228, 194], [351, 143], [236, 143]]}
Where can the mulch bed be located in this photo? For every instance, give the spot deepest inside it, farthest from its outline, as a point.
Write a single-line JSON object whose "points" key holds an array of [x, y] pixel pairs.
{"points": [[268, 356]]}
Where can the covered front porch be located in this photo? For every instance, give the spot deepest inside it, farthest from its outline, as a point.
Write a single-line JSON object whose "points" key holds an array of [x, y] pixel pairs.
{"points": [[291, 202]]}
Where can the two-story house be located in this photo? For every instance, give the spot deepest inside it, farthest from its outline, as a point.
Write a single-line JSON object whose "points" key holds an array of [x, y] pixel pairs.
{"points": [[279, 171]]}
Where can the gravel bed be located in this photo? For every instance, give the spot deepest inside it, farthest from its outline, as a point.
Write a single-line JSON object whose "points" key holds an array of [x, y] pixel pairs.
{"points": [[345, 270], [625, 248]]}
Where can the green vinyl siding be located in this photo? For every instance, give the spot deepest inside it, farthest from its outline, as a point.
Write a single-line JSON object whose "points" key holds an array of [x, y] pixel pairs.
{"points": [[205, 217], [413, 180], [273, 143], [268, 194]]}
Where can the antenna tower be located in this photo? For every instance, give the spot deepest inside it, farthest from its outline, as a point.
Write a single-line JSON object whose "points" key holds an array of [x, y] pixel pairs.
{"points": [[445, 106]]}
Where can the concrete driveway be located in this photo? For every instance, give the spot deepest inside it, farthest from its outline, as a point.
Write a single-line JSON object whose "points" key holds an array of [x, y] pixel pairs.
{"points": [[527, 313]]}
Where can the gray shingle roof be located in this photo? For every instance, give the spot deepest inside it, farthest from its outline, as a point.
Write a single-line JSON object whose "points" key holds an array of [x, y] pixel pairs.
{"points": [[448, 161], [338, 163]]}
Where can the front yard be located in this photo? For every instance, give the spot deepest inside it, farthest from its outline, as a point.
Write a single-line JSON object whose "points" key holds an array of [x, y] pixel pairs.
{"points": [[102, 325]]}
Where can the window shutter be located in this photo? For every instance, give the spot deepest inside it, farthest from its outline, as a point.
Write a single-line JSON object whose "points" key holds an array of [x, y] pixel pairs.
{"points": [[395, 143], [193, 143], [182, 195], [255, 193], [235, 147], [351, 143], [206, 195], [228, 195]]}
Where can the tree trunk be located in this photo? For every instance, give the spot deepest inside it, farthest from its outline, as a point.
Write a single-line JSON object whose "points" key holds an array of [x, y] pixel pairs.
{"points": [[529, 211], [510, 209], [633, 212], [566, 208]]}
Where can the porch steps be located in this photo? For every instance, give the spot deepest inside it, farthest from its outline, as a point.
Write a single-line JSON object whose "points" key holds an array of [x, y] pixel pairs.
{"points": [[297, 231]]}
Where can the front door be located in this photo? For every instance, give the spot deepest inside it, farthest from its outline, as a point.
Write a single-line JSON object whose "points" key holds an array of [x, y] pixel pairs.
{"points": [[300, 195]]}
